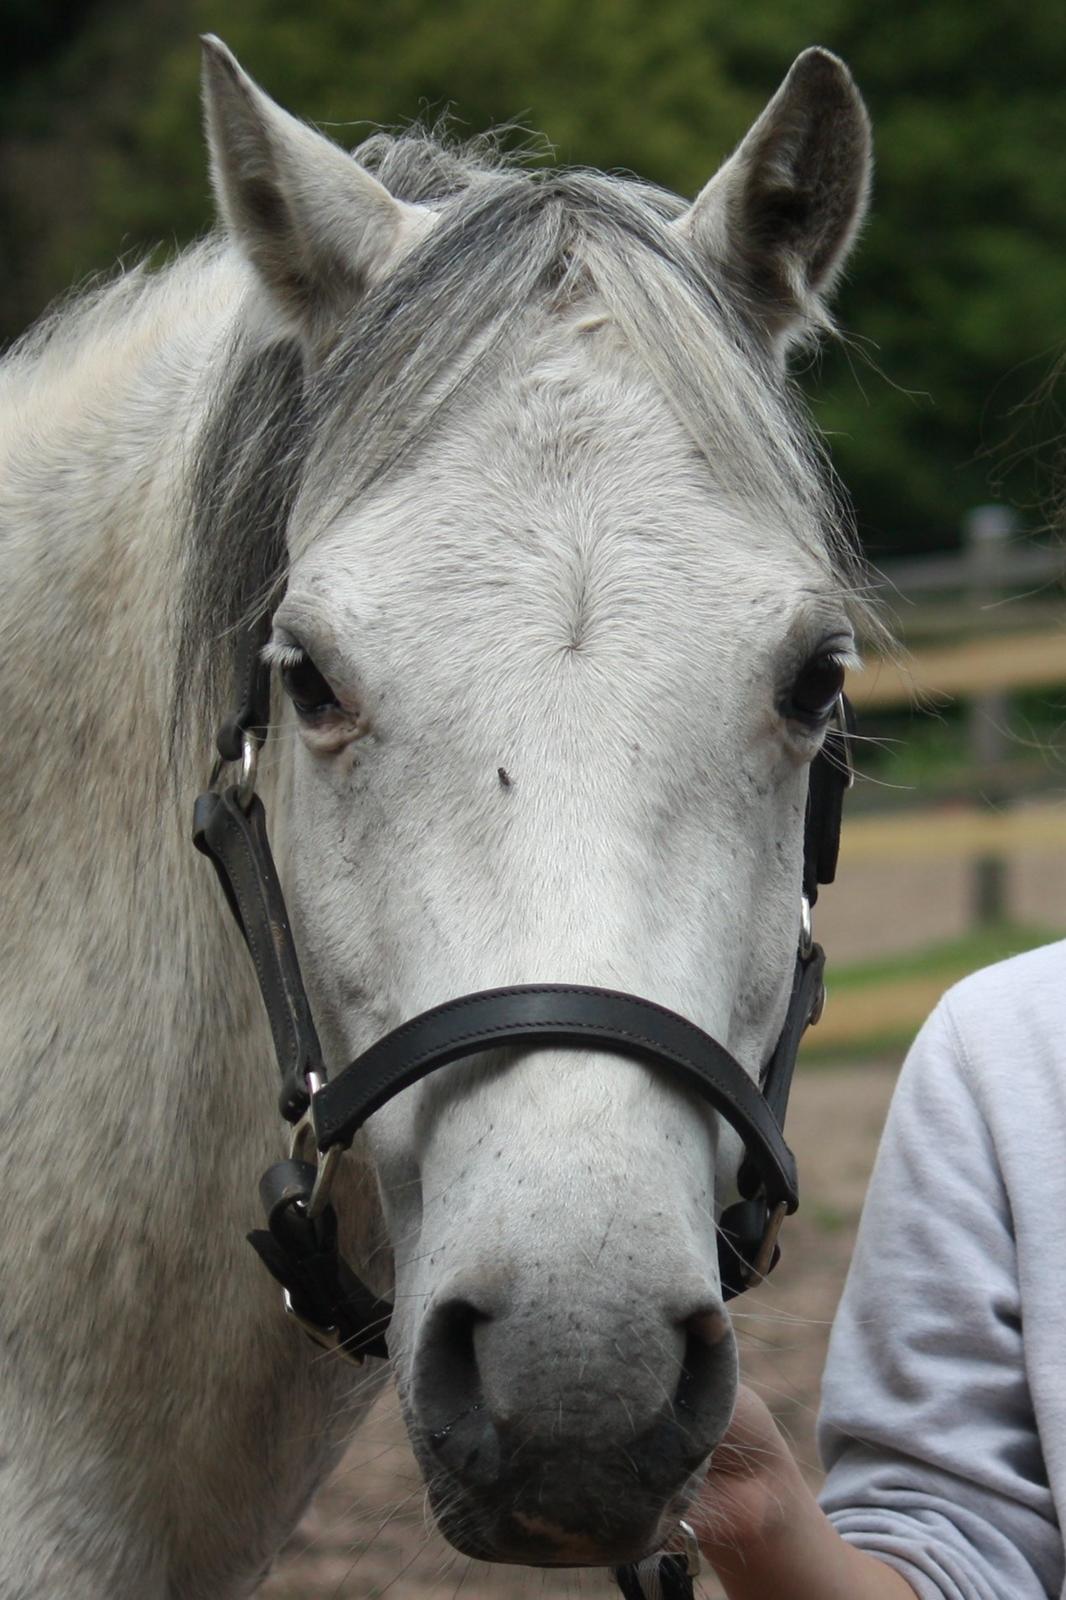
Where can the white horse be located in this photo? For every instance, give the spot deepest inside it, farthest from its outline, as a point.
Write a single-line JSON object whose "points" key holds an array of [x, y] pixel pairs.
{"points": [[566, 602]]}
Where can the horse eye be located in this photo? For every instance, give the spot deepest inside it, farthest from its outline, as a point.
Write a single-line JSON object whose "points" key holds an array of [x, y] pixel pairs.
{"points": [[815, 690], [308, 690]]}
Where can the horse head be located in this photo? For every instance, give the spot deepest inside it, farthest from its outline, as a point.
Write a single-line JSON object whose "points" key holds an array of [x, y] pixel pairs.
{"points": [[566, 609]]}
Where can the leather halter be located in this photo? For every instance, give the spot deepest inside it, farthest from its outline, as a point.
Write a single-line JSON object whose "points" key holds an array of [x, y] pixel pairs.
{"points": [[299, 1245]]}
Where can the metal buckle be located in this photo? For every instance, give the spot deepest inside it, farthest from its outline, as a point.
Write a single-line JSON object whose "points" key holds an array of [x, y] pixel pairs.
{"points": [[761, 1265], [326, 1338], [303, 1146]]}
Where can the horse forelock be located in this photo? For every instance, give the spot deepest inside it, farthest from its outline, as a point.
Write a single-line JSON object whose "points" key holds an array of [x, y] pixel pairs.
{"points": [[248, 464], [512, 243]]}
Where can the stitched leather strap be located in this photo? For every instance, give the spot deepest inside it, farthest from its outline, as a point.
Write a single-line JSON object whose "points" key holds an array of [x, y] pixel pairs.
{"points": [[321, 1286], [235, 842], [565, 1016], [804, 1007], [252, 714]]}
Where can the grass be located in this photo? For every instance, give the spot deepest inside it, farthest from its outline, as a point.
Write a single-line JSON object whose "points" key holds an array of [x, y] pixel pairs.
{"points": [[943, 964], [915, 749], [885, 1046], [952, 959]]}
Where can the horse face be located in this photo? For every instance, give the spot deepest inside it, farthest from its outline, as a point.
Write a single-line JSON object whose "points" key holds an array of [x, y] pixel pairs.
{"points": [[542, 728], [552, 748]]}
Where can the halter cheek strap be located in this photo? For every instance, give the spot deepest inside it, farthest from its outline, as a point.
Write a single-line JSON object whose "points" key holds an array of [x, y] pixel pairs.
{"points": [[299, 1244]]}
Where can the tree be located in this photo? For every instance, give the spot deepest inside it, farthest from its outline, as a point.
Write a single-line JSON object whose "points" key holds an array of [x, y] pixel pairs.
{"points": [[957, 302]]}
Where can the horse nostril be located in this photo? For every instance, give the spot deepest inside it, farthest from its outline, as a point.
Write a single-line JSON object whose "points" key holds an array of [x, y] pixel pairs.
{"points": [[448, 1394], [709, 1327], [708, 1371]]}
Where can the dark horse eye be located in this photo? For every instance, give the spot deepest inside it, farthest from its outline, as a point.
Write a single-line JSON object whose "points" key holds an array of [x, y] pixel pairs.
{"points": [[814, 692], [307, 689]]}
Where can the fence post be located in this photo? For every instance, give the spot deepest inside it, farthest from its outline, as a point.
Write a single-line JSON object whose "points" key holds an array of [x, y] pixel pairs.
{"points": [[987, 532]]}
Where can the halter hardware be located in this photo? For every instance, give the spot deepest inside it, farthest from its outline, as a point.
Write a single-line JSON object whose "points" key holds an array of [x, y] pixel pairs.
{"points": [[302, 1146], [690, 1549], [249, 770], [806, 940], [230, 828], [299, 1244]]}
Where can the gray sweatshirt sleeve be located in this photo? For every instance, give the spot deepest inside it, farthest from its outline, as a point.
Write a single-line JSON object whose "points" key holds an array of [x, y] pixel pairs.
{"points": [[927, 1426]]}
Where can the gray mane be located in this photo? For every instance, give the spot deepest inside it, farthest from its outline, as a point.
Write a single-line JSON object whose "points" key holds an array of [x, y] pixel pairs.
{"points": [[512, 240]]}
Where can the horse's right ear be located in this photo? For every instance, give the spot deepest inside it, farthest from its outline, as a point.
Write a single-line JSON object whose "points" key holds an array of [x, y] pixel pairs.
{"points": [[316, 227], [779, 219]]}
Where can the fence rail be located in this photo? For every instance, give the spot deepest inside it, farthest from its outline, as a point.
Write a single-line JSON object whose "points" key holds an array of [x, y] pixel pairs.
{"points": [[1014, 565], [972, 667], [986, 623], [954, 833]]}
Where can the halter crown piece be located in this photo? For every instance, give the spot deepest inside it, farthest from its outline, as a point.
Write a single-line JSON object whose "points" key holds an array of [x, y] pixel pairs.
{"points": [[299, 1244]]}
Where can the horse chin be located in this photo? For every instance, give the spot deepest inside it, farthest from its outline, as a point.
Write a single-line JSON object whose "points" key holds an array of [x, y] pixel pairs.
{"points": [[519, 1538], [512, 1524]]}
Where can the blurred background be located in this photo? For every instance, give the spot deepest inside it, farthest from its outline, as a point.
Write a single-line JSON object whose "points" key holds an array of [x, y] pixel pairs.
{"points": [[943, 417]]}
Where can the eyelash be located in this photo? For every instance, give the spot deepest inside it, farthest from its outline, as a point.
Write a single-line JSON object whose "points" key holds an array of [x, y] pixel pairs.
{"points": [[313, 698], [283, 655]]}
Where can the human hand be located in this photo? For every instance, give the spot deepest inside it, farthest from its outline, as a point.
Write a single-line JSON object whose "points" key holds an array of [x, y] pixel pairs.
{"points": [[760, 1527], [750, 1485]]}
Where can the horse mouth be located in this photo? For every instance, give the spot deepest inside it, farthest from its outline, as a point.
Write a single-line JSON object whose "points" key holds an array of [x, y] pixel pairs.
{"points": [[524, 1540], [519, 1524]]}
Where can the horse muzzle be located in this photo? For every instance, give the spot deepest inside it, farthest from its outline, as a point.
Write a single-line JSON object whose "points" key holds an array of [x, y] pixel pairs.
{"points": [[553, 1437]]}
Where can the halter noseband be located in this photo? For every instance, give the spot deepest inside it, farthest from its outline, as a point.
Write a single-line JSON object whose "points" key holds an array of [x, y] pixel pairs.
{"points": [[299, 1244]]}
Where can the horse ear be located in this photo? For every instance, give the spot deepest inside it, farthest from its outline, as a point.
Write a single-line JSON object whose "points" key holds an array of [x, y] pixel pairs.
{"points": [[317, 228], [782, 213]]}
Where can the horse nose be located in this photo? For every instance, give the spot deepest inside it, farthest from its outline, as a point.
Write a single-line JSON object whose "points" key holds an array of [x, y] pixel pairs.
{"points": [[708, 1367], [449, 1397], [597, 1425]]}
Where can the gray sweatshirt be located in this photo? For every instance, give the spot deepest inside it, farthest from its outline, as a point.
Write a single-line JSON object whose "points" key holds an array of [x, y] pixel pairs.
{"points": [[943, 1420]]}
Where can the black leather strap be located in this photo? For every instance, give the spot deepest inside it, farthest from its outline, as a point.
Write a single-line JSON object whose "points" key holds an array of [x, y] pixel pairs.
{"points": [[235, 842], [253, 685], [804, 1007], [302, 1254], [562, 1015], [829, 781]]}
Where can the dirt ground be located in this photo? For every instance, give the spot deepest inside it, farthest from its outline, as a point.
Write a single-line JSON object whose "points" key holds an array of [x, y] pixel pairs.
{"points": [[366, 1535]]}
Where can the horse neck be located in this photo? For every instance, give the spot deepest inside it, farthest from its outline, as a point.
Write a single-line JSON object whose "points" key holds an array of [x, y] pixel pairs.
{"points": [[97, 429], [135, 998]]}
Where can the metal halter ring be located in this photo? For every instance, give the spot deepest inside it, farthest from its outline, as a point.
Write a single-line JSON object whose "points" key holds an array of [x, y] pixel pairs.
{"points": [[303, 1147], [690, 1549], [760, 1267], [249, 768], [326, 1338], [806, 928]]}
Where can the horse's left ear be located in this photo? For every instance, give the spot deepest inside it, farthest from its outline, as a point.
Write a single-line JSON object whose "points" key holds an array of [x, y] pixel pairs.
{"points": [[317, 227], [780, 216]]}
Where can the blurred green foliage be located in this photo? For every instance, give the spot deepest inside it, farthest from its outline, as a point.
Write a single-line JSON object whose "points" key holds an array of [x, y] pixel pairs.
{"points": [[956, 303], [922, 754]]}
